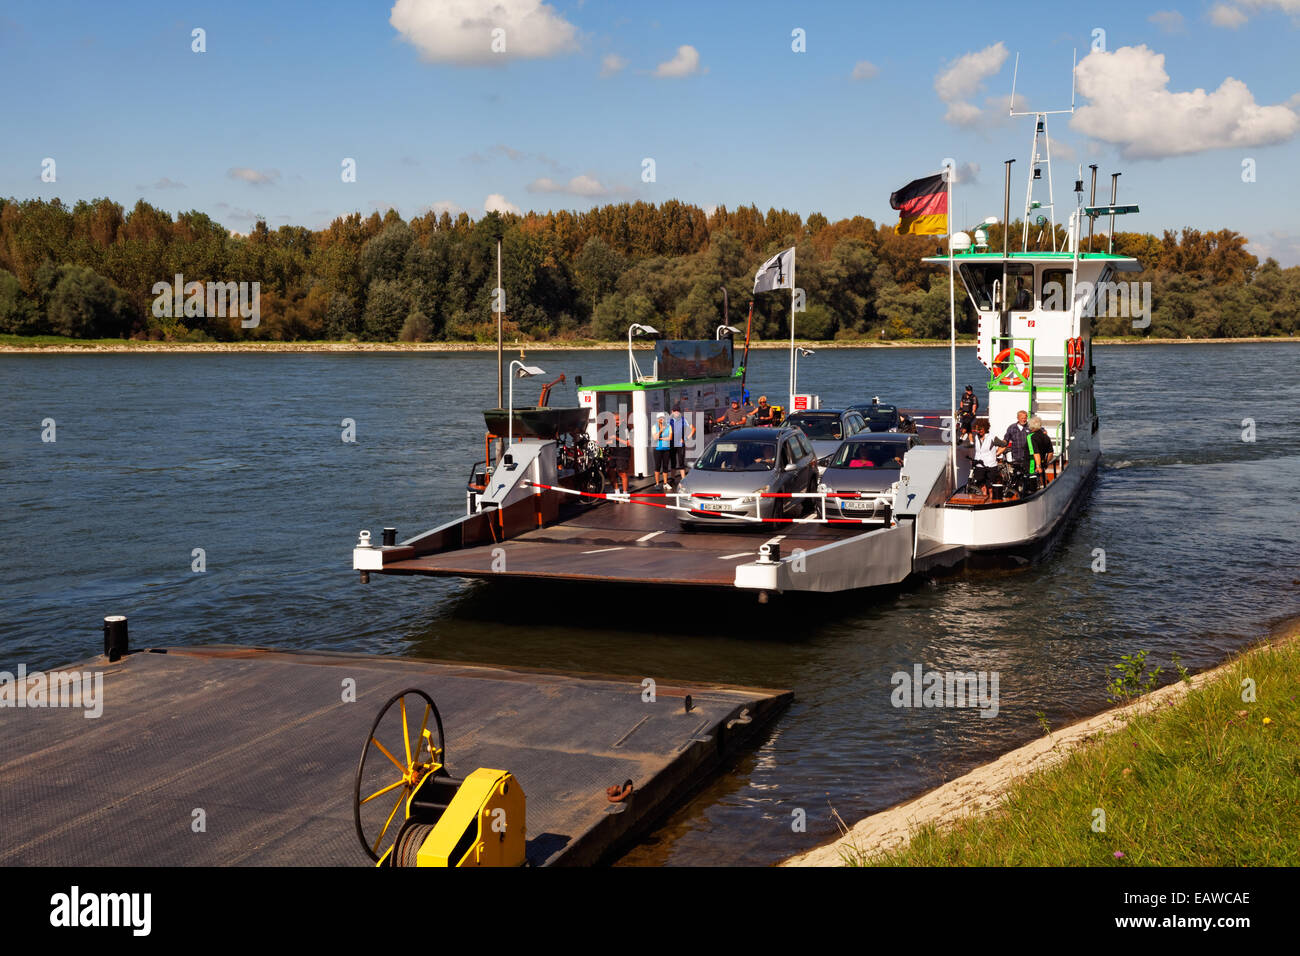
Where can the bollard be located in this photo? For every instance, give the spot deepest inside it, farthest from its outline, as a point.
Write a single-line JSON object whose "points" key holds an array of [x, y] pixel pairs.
{"points": [[115, 639], [390, 537]]}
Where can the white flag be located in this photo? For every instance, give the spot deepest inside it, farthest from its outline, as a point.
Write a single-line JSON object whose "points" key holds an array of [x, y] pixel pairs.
{"points": [[775, 273]]}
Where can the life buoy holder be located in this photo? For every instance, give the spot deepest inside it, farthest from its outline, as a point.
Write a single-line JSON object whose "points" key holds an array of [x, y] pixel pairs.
{"points": [[1012, 378]]}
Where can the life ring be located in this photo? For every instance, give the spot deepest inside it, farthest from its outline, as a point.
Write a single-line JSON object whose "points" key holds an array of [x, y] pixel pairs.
{"points": [[1012, 378], [1071, 354], [1078, 353]]}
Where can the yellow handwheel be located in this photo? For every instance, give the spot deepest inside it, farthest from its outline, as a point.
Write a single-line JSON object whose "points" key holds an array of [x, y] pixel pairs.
{"points": [[394, 771]]}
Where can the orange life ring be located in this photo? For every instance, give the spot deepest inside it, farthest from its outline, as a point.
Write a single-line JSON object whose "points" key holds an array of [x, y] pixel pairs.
{"points": [[1078, 353], [1012, 378], [1071, 355]]}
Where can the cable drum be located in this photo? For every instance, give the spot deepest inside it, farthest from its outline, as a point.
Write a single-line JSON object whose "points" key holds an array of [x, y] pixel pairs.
{"points": [[409, 842]]}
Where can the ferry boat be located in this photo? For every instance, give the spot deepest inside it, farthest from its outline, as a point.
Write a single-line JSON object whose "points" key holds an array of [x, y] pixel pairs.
{"points": [[536, 508]]}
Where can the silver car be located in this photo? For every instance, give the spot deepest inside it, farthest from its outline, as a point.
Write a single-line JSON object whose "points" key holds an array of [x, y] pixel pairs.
{"points": [[867, 466], [746, 462]]}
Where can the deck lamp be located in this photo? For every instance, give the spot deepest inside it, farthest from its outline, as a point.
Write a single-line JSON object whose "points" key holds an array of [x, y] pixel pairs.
{"points": [[636, 328], [523, 371], [797, 352]]}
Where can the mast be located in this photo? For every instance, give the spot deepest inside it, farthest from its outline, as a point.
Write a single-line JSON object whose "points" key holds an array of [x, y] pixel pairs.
{"points": [[950, 174]]}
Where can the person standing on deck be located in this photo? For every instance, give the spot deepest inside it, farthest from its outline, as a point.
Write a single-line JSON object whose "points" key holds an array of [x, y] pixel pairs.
{"points": [[1040, 447], [969, 408], [663, 436], [678, 424], [985, 459], [1017, 438], [618, 453]]}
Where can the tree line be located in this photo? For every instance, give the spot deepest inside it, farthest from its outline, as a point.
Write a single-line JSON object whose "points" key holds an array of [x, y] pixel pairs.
{"points": [[89, 271]]}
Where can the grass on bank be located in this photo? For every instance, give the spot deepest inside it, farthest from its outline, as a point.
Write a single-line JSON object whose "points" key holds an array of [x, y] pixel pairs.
{"points": [[1209, 781]]}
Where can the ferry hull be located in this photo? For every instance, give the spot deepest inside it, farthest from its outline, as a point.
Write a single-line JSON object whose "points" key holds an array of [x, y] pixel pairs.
{"points": [[1019, 531]]}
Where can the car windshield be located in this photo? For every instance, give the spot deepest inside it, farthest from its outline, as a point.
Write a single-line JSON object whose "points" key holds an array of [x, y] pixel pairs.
{"points": [[868, 454], [881, 413], [818, 427], [738, 456]]}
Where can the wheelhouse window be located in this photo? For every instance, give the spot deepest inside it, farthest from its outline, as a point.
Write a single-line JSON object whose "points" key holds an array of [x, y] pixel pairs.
{"points": [[978, 279], [1055, 292], [1020, 286]]}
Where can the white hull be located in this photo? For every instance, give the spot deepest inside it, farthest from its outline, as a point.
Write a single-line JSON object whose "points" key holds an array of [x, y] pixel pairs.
{"points": [[1028, 523]]}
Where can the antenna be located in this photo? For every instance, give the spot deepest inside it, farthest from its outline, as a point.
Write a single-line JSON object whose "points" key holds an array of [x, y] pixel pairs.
{"points": [[1016, 73], [1011, 107], [1074, 69], [1037, 159]]}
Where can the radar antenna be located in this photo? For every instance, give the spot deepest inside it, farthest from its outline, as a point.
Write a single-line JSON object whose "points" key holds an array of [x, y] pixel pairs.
{"points": [[1037, 158]]}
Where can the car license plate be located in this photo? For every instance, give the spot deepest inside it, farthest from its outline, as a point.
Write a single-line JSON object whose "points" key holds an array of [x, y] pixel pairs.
{"points": [[852, 505], [714, 506]]}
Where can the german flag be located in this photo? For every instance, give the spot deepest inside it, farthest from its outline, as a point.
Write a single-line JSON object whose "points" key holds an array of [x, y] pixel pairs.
{"points": [[922, 206]]}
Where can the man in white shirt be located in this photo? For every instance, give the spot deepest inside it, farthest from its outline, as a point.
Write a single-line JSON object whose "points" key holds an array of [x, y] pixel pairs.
{"points": [[985, 455]]}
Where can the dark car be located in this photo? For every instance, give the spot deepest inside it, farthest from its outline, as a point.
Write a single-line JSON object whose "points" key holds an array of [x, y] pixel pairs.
{"points": [[826, 428], [868, 465], [743, 463], [883, 418]]}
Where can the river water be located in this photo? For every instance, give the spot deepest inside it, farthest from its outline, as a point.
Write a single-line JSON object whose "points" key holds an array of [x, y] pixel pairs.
{"points": [[242, 455]]}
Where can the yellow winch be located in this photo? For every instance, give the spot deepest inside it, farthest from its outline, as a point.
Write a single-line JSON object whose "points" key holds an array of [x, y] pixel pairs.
{"points": [[478, 821]]}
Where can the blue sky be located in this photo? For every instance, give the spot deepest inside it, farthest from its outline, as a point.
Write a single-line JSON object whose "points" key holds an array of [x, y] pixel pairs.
{"points": [[259, 124]]}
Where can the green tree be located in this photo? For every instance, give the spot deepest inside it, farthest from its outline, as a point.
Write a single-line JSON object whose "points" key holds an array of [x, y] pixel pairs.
{"points": [[386, 310], [84, 304]]}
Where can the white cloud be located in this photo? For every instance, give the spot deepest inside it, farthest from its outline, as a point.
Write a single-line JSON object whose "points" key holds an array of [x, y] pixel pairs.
{"points": [[1131, 106], [239, 213], [460, 31], [452, 209], [685, 63], [611, 63], [499, 203], [1234, 14], [968, 174], [1064, 151], [583, 185], [164, 183], [964, 78], [1282, 246], [255, 176], [1226, 16], [1171, 21], [865, 70]]}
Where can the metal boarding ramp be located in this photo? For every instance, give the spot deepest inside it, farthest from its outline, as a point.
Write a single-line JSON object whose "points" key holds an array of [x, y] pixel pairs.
{"points": [[526, 529]]}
